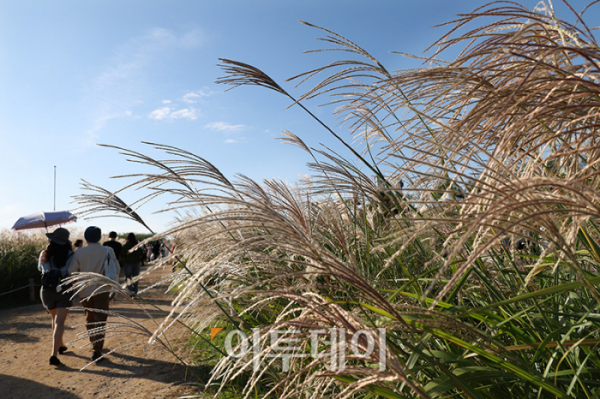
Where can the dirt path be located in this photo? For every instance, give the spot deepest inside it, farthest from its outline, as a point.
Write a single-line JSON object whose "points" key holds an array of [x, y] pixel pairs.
{"points": [[137, 371]]}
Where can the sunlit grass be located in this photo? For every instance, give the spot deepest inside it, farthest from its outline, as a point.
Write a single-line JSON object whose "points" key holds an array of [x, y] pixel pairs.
{"points": [[19, 254], [482, 269]]}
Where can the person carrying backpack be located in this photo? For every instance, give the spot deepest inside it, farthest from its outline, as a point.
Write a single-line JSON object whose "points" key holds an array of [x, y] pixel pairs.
{"points": [[53, 265]]}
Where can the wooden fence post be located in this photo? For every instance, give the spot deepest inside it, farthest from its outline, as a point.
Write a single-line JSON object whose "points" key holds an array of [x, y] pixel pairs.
{"points": [[31, 291]]}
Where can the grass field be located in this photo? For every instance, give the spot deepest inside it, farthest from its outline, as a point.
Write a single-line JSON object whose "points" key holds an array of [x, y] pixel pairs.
{"points": [[19, 254], [475, 278]]}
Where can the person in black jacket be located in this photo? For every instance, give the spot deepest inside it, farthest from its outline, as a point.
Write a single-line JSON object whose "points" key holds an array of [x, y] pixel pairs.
{"points": [[131, 261], [156, 250], [113, 243]]}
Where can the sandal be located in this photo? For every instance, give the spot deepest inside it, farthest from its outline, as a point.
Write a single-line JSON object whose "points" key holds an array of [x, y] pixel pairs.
{"points": [[54, 361], [62, 349]]}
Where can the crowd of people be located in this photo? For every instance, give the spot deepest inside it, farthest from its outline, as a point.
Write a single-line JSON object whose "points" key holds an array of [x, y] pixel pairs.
{"points": [[62, 258]]}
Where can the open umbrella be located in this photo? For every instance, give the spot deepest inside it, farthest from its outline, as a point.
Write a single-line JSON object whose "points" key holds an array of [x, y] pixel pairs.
{"points": [[44, 220]]}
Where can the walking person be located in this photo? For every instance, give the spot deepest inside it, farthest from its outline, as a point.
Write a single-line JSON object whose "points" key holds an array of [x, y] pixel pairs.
{"points": [[91, 259], [148, 252], [156, 250], [53, 265], [131, 261], [113, 243]]}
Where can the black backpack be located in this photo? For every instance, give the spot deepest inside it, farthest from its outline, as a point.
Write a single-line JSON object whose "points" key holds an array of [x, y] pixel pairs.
{"points": [[51, 279]]}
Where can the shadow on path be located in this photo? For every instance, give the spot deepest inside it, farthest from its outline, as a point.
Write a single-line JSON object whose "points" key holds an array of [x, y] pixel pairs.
{"points": [[122, 366], [17, 388], [18, 337]]}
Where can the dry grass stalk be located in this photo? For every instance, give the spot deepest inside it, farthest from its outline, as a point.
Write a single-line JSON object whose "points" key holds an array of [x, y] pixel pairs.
{"points": [[497, 145]]}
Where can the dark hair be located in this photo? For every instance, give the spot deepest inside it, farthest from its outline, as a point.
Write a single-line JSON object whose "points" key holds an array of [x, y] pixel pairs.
{"points": [[131, 238], [78, 243], [112, 234], [92, 234], [57, 253]]}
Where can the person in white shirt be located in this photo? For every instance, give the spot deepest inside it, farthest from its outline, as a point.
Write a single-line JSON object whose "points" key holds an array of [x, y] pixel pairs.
{"points": [[91, 259]]}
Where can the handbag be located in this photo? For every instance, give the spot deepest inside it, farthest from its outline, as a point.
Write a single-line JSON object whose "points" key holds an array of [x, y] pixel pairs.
{"points": [[110, 268]]}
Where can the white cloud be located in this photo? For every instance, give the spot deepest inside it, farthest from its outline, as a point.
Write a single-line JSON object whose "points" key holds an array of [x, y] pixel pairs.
{"points": [[230, 141], [166, 101], [123, 82], [160, 113], [192, 39], [184, 114], [192, 96], [91, 137], [224, 127], [169, 113]]}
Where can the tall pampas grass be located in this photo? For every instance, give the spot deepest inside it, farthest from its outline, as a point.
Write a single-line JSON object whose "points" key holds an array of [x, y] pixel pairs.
{"points": [[477, 275], [19, 252]]}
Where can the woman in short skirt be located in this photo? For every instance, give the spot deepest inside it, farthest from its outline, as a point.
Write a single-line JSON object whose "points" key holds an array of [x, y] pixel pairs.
{"points": [[55, 256]]}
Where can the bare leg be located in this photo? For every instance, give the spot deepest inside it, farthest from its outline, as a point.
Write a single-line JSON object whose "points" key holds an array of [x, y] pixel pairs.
{"points": [[59, 328], [53, 314]]}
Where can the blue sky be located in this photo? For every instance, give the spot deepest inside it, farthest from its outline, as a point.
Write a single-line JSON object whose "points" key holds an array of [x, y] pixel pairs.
{"points": [[77, 73]]}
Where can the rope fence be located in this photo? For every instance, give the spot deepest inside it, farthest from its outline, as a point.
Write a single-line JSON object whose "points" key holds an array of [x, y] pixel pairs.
{"points": [[31, 287], [16, 289]]}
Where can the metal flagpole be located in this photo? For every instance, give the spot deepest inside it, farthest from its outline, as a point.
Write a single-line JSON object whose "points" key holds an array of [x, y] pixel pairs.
{"points": [[54, 187]]}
